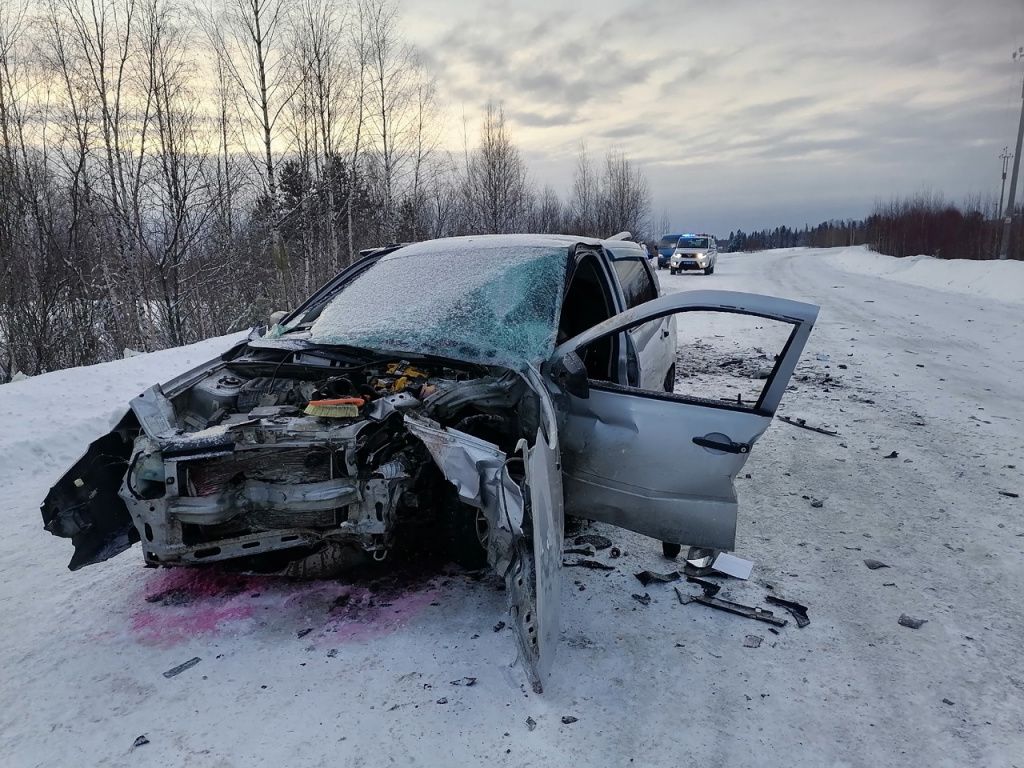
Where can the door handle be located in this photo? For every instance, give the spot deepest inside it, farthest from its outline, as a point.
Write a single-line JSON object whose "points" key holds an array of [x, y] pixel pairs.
{"points": [[721, 443], [664, 334]]}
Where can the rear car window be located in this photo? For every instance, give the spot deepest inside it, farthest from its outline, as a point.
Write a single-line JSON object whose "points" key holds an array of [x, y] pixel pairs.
{"points": [[637, 284]]}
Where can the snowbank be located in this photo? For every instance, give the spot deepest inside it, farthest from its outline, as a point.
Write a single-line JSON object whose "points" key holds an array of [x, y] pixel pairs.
{"points": [[998, 280]]}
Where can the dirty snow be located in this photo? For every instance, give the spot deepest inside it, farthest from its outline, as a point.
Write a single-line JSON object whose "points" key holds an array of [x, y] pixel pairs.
{"points": [[376, 673]]}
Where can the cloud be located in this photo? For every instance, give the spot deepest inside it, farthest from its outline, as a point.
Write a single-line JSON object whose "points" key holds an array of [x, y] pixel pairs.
{"points": [[876, 98]]}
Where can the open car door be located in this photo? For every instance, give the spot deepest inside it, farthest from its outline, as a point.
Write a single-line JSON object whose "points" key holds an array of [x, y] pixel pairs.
{"points": [[663, 463]]}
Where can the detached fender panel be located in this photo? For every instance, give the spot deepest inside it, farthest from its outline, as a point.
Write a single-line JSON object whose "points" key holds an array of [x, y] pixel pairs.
{"points": [[84, 505]]}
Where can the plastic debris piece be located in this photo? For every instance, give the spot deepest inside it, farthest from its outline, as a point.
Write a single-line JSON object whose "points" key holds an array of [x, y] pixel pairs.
{"points": [[733, 566], [531, 723], [569, 719], [140, 741], [874, 565], [911, 622], [652, 577], [796, 610], [182, 667], [644, 599], [710, 588], [752, 641]]}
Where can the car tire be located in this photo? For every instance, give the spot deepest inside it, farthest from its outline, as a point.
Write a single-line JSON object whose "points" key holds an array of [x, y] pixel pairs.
{"points": [[670, 379], [466, 533], [710, 270], [673, 271], [670, 550]]}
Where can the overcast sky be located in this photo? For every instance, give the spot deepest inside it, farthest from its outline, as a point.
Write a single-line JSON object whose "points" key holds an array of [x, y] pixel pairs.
{"points": [[744, 113]]}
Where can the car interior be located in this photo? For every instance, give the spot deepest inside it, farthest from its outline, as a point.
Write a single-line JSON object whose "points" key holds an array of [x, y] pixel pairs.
{"points": [[587, 303]]}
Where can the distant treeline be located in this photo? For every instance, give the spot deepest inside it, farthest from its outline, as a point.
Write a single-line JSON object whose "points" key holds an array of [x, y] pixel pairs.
{"points": [[171, 171], [923, 224]]}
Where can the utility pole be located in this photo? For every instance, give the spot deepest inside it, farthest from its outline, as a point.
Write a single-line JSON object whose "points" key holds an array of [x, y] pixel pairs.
{"points": [[1005, 157], [1004, 246]]}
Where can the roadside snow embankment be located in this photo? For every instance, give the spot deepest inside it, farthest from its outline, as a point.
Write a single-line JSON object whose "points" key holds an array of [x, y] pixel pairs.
{"points": [[999, 280], [34, 412]]}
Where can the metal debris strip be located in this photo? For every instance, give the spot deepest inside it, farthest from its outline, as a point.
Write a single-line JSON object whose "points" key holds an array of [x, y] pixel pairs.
{"points": [[653, 577], [804, 425], [182, 667], [747, 611], [796, 610], [644, 599]]}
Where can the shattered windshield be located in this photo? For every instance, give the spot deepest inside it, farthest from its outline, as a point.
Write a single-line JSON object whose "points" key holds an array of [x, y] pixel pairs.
{"points": [[489, 305]]}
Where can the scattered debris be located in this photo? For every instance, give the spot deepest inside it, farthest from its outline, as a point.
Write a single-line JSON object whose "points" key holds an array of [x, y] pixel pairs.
{"points": [[569, 719], [596, 540], [140, 741], [752, 641], [466, 681], [499, 626], [303, 632], [644, 599], [592, 564], [911, 622], [796, 610], [683, 597], [333, 652], [804, 425], [948, 702], [1010, 494], [586, 551], [709, 587], [893, 455], [182, 667], [649, 577], [531, 723], [614, 552], [733, 566], [874, 565], [817, 503], [759, 614], [443, 700]]}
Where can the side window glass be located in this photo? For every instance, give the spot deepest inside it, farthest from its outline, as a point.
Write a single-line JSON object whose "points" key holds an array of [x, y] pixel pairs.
{"points": [[636, 282]]}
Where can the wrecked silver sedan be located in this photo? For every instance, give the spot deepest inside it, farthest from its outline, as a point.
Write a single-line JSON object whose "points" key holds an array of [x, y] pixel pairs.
{"points": [[476, 388]]}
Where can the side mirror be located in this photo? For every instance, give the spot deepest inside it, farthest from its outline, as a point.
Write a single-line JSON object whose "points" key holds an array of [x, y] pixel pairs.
{"points": [[277, 317], [570, 373]]}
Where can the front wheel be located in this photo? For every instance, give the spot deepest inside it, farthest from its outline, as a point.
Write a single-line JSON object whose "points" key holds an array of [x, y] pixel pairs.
{"points": [[673, 271], [670, 550], [710, 270]]}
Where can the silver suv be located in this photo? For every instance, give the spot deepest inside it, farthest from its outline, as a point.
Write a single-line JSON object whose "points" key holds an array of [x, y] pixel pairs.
{"points": [[694, 252]]}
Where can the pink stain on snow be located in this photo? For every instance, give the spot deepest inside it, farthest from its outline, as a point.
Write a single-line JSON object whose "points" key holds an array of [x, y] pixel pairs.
{"points": [[180, 604]]}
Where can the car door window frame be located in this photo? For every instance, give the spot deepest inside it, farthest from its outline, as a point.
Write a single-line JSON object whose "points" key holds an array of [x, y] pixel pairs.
{"points": [[801, 318]]}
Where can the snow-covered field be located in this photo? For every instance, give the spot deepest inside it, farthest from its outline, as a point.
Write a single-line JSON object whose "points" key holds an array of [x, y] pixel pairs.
{"points": [[923, 358]]}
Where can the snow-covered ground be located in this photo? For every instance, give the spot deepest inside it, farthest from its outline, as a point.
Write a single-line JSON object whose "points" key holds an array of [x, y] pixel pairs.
{"points": [[921, 357]]}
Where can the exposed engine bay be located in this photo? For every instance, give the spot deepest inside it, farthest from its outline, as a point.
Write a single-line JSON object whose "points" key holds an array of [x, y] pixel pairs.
{"points": [[305, 464]]}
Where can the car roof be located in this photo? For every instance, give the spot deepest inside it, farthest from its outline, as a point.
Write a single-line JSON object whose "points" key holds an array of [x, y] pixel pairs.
{"points": [[615, 248]]}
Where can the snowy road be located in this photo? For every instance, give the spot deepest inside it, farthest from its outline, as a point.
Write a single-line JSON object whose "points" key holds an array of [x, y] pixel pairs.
{"points": [[335, 675]]}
